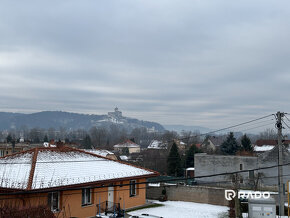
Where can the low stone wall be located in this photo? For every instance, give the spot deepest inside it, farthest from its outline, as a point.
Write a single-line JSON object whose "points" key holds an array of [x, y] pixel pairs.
{"points": [[198, 194]]}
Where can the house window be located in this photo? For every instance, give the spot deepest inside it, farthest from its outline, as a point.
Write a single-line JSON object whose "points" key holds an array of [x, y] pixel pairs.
{"points": [[86, 196], [241, 166], [233, 179], [53, 201], [251, 175], [133, 188], [241, 180]]}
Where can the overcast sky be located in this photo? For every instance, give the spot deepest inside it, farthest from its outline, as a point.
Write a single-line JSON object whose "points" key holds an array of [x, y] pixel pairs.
{"points": [[196, 62]]}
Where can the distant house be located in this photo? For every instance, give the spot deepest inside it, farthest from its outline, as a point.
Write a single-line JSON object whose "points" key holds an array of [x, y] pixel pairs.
{"points": [[181, 145], [71, 182], [267, 145], [7, 149], [156, 144], [211, 143], [151, 130], [132, 147]]}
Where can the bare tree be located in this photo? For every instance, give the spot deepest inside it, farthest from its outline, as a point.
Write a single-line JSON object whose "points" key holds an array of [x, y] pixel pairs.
{"points": [[268, 134]]}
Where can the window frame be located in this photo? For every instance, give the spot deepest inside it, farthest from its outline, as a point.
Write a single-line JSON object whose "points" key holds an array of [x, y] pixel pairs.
{"points": [[133, 188], [51, 197], [87, 197]]}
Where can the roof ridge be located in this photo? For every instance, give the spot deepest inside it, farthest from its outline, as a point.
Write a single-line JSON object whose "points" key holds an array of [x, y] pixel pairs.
{"points": [[118, 161], [32, 170]]}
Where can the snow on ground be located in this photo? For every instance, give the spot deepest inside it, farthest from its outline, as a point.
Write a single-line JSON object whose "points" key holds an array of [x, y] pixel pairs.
{"points": [[175, 209]]}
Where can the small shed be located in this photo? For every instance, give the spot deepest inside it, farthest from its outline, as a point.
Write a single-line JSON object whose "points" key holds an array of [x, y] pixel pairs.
{"points": [[261, 208]]}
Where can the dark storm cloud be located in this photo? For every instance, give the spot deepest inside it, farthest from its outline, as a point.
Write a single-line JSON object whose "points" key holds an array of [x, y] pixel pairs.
{"points": [[188, 62]]}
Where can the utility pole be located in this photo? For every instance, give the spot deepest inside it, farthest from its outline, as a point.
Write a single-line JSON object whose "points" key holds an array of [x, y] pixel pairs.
{"points": [[237, 200], [280, 163]]}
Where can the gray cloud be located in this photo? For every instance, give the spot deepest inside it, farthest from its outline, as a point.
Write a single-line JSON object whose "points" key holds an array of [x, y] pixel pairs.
{"points": [[187, 62]]}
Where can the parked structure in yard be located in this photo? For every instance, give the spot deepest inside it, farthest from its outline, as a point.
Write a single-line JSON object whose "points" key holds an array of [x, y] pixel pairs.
{"points": [[131, 146], [70, 181], [214, 164]]}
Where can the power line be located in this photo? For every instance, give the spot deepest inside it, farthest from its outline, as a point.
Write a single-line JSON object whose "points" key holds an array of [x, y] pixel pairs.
{"points": [[286, 124], [226, 128], [256, 127], [208, 133], [147, 187], [286, 117], [176, 179]]}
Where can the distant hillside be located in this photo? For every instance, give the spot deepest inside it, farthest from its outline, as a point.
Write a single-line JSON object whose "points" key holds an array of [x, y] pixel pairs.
{"points": [[56, 119], [179, 128]]}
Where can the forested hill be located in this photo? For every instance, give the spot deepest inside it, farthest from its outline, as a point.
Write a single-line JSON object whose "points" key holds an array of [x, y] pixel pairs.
{"points": [[56, 119]]}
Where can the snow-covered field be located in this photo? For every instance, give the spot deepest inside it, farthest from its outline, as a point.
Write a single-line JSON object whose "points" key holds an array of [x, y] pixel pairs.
{"points": [[178, 209]]}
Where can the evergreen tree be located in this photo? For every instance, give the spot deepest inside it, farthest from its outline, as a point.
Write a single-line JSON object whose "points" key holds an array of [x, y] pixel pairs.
{"points": [[45, 139], [9, 138], [125, 151], [189, 158], [87, 143], [230, 145], [246, 143], [174, 162]]}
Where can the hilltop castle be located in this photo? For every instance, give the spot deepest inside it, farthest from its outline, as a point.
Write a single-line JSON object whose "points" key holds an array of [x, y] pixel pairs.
{"points": [[117, 115]]}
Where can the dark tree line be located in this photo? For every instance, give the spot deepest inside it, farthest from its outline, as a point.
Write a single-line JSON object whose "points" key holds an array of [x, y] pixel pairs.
{"points": [[231, 146]]}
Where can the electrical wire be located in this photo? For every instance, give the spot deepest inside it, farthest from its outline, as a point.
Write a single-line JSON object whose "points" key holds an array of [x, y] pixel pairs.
{"points": [[204, 134], [202, 183], [176, 179]]}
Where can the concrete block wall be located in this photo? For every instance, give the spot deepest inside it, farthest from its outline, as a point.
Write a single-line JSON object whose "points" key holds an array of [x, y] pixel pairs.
{"points": [[198, 194]]}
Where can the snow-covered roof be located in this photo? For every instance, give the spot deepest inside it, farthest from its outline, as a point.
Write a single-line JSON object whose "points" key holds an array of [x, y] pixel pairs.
{"points": [[156, 144], [100, 152], [264, 148], [127, 144], [40, 168], [15, 171]]}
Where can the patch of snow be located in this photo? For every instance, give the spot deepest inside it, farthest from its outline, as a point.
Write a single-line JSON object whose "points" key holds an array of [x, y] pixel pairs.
{"points": [[154, 184], [174, 209], [124, 157], [99, 121], [102, 153], [127, 144], [264, 148], [156, 144]]}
